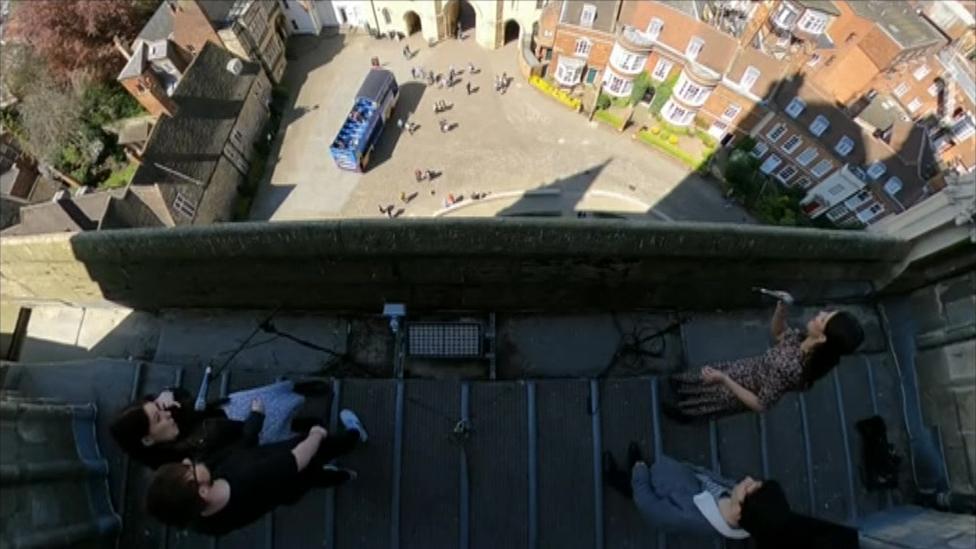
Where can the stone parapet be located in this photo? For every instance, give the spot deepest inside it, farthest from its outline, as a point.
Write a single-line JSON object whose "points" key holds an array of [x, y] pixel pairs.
{"points": [[486, 264]]}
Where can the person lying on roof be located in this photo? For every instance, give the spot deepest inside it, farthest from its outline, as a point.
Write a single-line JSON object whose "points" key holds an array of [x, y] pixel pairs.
{"points": [[249, 481], [165, 428]]}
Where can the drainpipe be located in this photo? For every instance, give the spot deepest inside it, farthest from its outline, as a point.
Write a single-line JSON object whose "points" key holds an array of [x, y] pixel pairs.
{"points": [[376, 19], [616, 16], [596, 99]]}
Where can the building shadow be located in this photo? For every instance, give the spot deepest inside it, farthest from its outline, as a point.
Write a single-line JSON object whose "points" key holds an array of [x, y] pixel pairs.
{"points": [[555, 198], [799, 159], [410, 95], [272, 198]]}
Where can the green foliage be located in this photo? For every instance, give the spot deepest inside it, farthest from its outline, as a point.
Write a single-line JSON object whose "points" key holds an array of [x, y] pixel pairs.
{"points": [[742, 174], [641, 84], [105, 103], [661, 142], [763, 196], [706, 139], [609, 118], [780, 207], [662, 93], [603, 102], [120, 177], [746, 144], [10, 121]]}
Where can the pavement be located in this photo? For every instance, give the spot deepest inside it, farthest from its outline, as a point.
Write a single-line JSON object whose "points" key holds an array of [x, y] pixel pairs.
{"points": [[505, 145]]}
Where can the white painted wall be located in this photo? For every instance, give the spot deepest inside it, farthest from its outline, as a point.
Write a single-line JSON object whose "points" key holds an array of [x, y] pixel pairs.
{"points": [[326, 13], [301, 16], [358, 13], [397, 9]]}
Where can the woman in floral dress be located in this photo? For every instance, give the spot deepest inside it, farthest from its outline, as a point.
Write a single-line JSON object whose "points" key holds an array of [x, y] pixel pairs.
{"points": [[794, 363]]}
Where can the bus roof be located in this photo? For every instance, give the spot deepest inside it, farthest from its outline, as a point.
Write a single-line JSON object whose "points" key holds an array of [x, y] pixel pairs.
{"points": [[376, 84]]}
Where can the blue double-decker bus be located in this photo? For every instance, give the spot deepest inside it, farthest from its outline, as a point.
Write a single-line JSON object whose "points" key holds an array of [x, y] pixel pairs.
{"points": [[362, 128]]}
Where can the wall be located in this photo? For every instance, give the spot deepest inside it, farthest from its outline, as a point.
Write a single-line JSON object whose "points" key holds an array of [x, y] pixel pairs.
{"points": [[472, 264], [191, 28], [397, 9], [302, 16], [945, 319]]}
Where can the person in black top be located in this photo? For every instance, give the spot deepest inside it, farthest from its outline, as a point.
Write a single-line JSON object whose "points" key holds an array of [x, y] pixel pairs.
{"points": [[165, 428], [249, 481]]}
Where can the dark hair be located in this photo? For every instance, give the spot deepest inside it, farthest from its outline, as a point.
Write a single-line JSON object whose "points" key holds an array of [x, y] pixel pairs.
{"points": [[843, 336], [766, 513], [173, 496], [130, 426]]}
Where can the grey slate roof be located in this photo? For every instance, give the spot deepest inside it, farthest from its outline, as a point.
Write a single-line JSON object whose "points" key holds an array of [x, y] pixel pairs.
{"points": [[898, 20], [209, 100], [159, 26], [73, 214], [218, 11]]}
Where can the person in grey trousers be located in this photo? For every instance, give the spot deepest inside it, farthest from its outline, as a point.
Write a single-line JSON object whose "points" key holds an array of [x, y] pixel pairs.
{"points": [[686, 500]]}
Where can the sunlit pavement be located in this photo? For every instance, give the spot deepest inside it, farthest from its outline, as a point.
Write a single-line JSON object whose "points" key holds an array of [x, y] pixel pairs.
{"points": [[502, 144]]}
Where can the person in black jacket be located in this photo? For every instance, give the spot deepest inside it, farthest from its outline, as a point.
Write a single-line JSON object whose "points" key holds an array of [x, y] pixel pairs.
{"points": [[165, 428], [246, 482]]}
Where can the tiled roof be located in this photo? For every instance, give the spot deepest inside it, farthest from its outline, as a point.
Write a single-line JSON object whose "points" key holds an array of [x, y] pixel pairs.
{"points": [[209, 99], [71, 214], [898, 20], [826, 6], [159, 26], [867, 149], [771, 70], [604, 14], [679, 28]]}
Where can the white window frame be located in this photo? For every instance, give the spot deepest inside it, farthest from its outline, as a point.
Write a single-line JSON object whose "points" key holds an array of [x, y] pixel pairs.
{"points": [[844, 146], [749, 78], [819, 125], [822, 168], [813, 22], [807, 156], [771, 163], [662, 69], [859, 199], [902, 89], [792, 144], [587, 15], [786, 173], [759, 150], [877, 170], [869, 214], [803, 182], [914, 105], [731, 111], [835, 189], [894, 185], [776, 132], [669, 111], [933, 90], [184, 205], [694, 47], [796, 107], [583, 47], [654, 28], [837, 212], [921, 72]]}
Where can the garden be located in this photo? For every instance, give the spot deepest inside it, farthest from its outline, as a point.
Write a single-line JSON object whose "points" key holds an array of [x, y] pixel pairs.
{"points": [[760, 194]]}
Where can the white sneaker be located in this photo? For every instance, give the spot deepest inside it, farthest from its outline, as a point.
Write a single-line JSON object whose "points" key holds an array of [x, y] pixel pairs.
{"points": [[351, 421], [353, 475]]}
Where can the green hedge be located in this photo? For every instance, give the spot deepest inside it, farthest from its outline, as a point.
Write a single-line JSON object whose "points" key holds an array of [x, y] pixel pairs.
{"points": [[662, 93], [609, 118], [673, 150]]}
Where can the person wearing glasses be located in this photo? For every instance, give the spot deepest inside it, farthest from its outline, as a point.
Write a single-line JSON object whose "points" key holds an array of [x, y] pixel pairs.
{"points": [[797, 360], [249, 481], [165, 428]]}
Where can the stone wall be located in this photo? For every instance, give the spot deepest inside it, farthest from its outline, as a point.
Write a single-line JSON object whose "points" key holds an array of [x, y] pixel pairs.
{"points": [[470, 264], [945, 320]]}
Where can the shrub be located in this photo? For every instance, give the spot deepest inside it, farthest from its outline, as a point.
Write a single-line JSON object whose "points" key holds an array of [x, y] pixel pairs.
{"points": [[673, 140], [603, 102], [663, 144], [641, 84], [662, 93], [656, 130], [746, 144]]}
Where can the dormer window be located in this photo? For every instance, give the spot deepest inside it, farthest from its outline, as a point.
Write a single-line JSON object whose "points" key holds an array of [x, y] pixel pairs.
{"points": [[876, 170], [694, 47], [844, 146], [893, 186], [749, 78], [654, 28], [587, 15], [819, 125], [795, 108], [813, 22]]}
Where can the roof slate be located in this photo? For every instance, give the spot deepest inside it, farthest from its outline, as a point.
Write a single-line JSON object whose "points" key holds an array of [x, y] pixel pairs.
{"points": [[898, 20], [209, 99]]}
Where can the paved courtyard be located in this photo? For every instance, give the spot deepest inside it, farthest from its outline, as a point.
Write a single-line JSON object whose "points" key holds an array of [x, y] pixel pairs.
{"points": [[532, 155]]}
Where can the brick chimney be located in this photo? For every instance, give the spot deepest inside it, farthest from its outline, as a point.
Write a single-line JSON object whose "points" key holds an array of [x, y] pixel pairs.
{"points": [[150, 93]]}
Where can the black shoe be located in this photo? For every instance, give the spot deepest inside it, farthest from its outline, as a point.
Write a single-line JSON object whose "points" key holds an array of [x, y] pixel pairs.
{"points": [[615, 478], [633, 454]]}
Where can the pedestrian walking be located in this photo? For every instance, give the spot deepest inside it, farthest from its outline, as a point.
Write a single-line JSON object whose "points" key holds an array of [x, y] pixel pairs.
{"points": [[468, 86], [400, 124], [459, 35], [382, 208], [419, 175]]}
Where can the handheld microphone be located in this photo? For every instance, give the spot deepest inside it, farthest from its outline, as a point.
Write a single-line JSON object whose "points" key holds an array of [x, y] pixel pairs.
{"points": [[781, 295]]}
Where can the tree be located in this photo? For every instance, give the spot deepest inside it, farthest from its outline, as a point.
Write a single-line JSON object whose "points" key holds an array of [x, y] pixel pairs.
{"points": [[77, 35], [641, 84], [51, 117]]}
